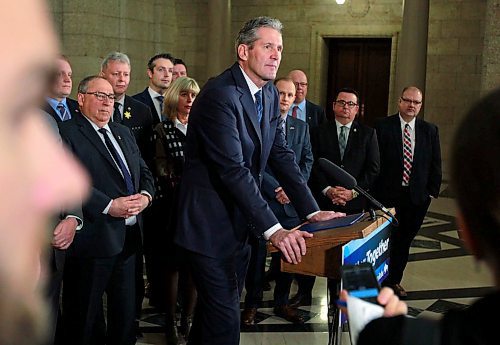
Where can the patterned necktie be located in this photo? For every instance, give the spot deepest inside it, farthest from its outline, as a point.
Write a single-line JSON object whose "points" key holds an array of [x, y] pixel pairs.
{"points": [[119, 161], [117, 116], [63, 111], [160, 99], [407, 156], [342, 140], [258, 104], [294, 111]]}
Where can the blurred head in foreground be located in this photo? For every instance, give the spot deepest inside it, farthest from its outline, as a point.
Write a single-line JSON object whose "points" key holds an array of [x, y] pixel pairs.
{"points": [[37, 177]]}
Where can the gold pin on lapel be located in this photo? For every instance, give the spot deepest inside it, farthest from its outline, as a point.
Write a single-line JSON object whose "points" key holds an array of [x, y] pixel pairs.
{"points": [[127, 114]]}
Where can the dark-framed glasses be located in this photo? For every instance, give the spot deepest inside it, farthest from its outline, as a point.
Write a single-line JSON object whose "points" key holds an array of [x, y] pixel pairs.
{"points": [[300, 84], [101, 96], [343, 103], [411, 101]]}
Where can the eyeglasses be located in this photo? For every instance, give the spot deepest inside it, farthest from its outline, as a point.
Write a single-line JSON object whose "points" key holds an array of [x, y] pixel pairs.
{"points": [[101, 96], [300, 84], [410, 101], [343, 103]]}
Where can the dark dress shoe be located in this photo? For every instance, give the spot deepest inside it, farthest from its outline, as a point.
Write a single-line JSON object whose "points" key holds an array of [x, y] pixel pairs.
{"points": [[300, 300], [288, 313], [248, 316]]}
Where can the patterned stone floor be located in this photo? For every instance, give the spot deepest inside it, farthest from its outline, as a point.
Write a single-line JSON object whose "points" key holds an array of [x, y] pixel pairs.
{"points": [[441, 275]]}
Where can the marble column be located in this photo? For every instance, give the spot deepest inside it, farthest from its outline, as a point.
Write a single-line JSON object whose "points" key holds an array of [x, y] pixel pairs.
{"points": [[412, 46], [220, 50]]}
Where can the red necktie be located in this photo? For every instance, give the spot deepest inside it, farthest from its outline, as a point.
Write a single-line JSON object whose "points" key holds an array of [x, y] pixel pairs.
{"points": [[294, 111], [407, 156]]}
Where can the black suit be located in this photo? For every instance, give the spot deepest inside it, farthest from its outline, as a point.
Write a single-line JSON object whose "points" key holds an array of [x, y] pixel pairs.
{"points": [[361, 159], [70, 103], [411, 202], [102, 256], [145, 98], [227, 150], [315, 115], [56, 259]]}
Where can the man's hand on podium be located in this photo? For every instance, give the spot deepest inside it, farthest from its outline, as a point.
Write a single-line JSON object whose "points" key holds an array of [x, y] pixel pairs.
{"points": [[291, 243], [325, 215]]}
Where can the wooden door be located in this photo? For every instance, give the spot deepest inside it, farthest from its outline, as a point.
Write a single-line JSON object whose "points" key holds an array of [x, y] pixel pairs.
{"points": [[362, 64]]}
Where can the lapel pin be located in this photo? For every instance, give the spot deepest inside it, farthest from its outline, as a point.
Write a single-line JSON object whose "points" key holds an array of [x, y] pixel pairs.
{"points": [[355, 130]]}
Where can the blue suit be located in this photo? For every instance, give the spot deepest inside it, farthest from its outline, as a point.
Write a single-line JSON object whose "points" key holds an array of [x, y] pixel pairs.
{"points": [[227, 150], [298, 140]]}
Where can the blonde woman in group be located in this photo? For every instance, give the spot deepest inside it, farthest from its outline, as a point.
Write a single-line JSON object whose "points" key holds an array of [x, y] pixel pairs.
{"points": [[170, 136]]}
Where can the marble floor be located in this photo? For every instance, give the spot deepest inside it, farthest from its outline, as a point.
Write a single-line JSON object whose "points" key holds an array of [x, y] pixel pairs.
{"points": [[441, 275]]}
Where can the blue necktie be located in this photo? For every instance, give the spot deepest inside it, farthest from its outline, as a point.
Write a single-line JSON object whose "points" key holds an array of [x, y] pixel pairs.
{"points": [[119, 161], [62, 110], [258, 104]]}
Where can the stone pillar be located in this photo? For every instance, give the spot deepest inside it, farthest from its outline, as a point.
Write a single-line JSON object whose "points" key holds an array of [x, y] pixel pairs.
{"points": [[490, 74], [412, 47], [220, 51]]}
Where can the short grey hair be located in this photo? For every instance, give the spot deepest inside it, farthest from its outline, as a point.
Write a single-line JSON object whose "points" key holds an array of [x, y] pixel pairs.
{"points": [[115, 56], [248, 33], [84, 84]]}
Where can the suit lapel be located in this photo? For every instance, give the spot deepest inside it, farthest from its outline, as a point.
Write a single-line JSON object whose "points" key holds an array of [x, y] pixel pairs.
{"points": [[290, 131], [398, 137], [119, 134], [247, 100], [353, 136], [418, 149], [127, 110]]}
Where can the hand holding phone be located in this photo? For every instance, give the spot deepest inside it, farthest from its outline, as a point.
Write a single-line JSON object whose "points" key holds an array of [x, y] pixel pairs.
{"points": [[360, 281]]}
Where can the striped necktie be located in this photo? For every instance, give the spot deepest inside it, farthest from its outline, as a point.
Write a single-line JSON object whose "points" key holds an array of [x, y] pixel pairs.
{"points": [[407, 155]]}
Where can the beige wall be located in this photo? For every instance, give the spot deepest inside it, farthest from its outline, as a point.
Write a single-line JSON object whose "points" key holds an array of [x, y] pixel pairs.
{"points": [[462, 58]]}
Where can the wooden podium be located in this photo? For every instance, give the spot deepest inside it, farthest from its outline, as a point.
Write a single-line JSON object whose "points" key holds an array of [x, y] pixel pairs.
{"points": [[324, 250]]}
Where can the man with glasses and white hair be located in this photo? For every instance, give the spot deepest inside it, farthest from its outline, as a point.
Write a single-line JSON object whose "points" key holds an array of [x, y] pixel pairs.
{"points": [[103, 256], [410, 175]]}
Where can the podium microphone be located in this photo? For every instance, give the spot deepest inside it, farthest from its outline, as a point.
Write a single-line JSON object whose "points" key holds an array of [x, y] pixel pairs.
{"points": [[347, 181]]}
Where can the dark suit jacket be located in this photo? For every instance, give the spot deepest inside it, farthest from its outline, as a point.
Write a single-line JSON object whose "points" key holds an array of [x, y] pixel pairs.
{"points": [[425, 179], [72, 105], [361, 160], [145, 98], [298, 140], [315, 115], [227, 151], [102, 234], [137, 117]]}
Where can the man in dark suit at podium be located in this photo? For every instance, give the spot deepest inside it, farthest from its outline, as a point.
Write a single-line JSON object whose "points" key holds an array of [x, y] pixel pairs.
{"points": [[302, 108], [234, 133], [353, 147], [410, 175], [102, 256], [58, 104]]}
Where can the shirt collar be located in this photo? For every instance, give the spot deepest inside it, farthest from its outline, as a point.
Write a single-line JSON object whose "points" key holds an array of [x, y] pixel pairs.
{"points": [[96, 127], [411, 123], [179, 125], [340, 125], [251, 85], [153, 93], [54, 102]]}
